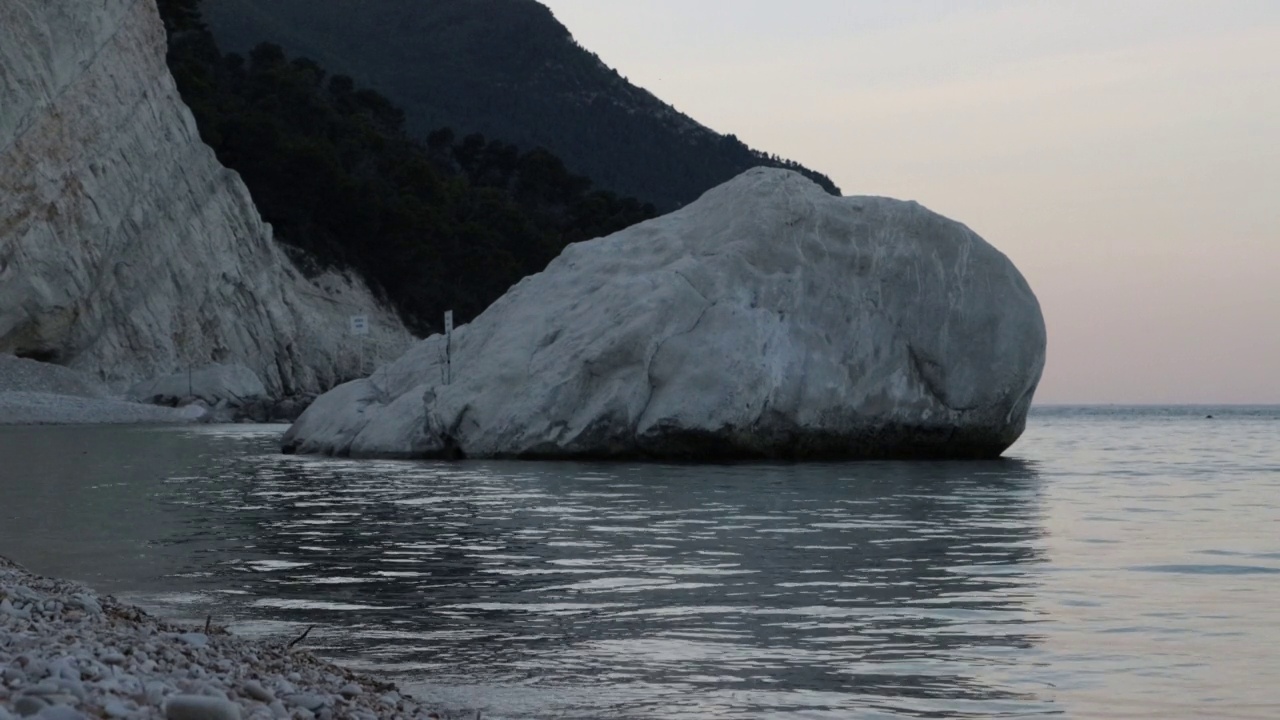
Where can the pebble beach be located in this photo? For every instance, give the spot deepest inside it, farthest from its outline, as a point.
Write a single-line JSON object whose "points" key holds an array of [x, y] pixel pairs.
{"points": [[36, 393], [68, 653]]}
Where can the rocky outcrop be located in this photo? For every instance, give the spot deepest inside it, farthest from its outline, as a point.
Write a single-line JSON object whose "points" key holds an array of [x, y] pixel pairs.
{"points": [[766, 320], [227, 385], [126, 250], [231, 393]]}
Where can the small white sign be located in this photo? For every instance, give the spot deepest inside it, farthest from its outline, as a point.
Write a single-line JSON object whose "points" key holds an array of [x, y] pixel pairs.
{"points": [[359, 324], [448, 322]]}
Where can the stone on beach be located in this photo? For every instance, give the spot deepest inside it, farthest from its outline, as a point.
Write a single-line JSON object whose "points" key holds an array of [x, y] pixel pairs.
{"points": [[766, 320], [254, 689], [199, 707], [63, 712]]}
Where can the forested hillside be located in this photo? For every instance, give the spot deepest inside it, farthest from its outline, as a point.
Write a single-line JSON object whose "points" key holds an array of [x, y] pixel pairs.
{"points": [[508, 69], [451, 222]]}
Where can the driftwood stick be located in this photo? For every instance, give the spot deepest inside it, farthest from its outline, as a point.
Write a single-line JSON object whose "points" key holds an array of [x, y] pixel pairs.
{"points": [[299, 638]]}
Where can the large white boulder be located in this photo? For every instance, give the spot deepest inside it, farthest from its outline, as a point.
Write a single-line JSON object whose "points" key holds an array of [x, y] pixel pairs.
{"points": [[766, 320], [126, 250]]}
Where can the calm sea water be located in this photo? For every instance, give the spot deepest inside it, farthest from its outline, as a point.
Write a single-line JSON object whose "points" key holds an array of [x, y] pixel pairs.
{"points": [[1122, 563]]}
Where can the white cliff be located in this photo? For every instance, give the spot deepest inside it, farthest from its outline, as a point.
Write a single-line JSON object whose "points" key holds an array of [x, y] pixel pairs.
{"points": [[767, 319], [126, 250]]}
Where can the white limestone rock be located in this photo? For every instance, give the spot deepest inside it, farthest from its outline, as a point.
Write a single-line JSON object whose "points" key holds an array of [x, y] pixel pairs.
{"points": [[126, 250], [230, 385], [767, 319]]}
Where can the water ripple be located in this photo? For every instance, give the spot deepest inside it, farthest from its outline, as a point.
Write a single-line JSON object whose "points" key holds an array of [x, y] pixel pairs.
{"points": [[1128, 568]]}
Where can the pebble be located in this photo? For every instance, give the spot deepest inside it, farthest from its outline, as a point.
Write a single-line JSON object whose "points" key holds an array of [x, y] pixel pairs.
{"points": [[45, 687], [7, 608], [254, 689], [196, 640], [306, 700], [86, 603], [199, 707], [60, 712], [29, 705]]}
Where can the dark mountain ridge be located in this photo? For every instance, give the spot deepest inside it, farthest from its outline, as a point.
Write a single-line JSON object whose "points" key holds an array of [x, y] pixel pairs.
{"points": [[507, 69], [446, 224]]}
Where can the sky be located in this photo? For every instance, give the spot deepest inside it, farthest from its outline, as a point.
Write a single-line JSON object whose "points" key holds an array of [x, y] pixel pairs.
{"points": [[1125, 154]]}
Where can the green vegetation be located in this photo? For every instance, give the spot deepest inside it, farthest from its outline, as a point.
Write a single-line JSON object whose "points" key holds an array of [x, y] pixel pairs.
{"points": [[508, 69], [449, 223]]}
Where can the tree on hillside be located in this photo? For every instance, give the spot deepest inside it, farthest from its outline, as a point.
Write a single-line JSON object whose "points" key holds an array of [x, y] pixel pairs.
{"points": [[449, 224], [507, 69]]}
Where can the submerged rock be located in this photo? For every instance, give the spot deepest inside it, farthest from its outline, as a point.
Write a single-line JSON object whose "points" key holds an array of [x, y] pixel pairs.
{"points": [[766, 320]]}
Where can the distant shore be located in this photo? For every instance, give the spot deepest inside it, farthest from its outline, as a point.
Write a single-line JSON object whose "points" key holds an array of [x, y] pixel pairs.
{"points": [[41, 408], [69, 653], [36, 393]]}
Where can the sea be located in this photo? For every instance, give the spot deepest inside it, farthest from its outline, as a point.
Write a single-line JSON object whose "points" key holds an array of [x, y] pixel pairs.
{"points": [[1120, 562]]}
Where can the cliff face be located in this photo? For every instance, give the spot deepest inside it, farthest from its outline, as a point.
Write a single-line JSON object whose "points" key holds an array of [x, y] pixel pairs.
{"points": [[126, 249]]}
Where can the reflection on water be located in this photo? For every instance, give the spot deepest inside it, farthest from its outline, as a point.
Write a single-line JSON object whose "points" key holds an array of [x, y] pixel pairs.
{"points": [[826, 586], [597, 590]]}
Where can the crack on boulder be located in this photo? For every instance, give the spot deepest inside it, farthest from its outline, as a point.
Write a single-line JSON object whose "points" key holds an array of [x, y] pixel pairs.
{"points": [[451, 448], [693, 287], [545, 342], [648, 365], [930, 374]]}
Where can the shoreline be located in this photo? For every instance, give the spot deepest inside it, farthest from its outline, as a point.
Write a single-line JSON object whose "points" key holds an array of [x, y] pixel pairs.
{"points": [[68, 653], [24, 408]]}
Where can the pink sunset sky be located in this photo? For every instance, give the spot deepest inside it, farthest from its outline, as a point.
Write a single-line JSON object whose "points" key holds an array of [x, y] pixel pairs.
{"points": [[1125, 154]]}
